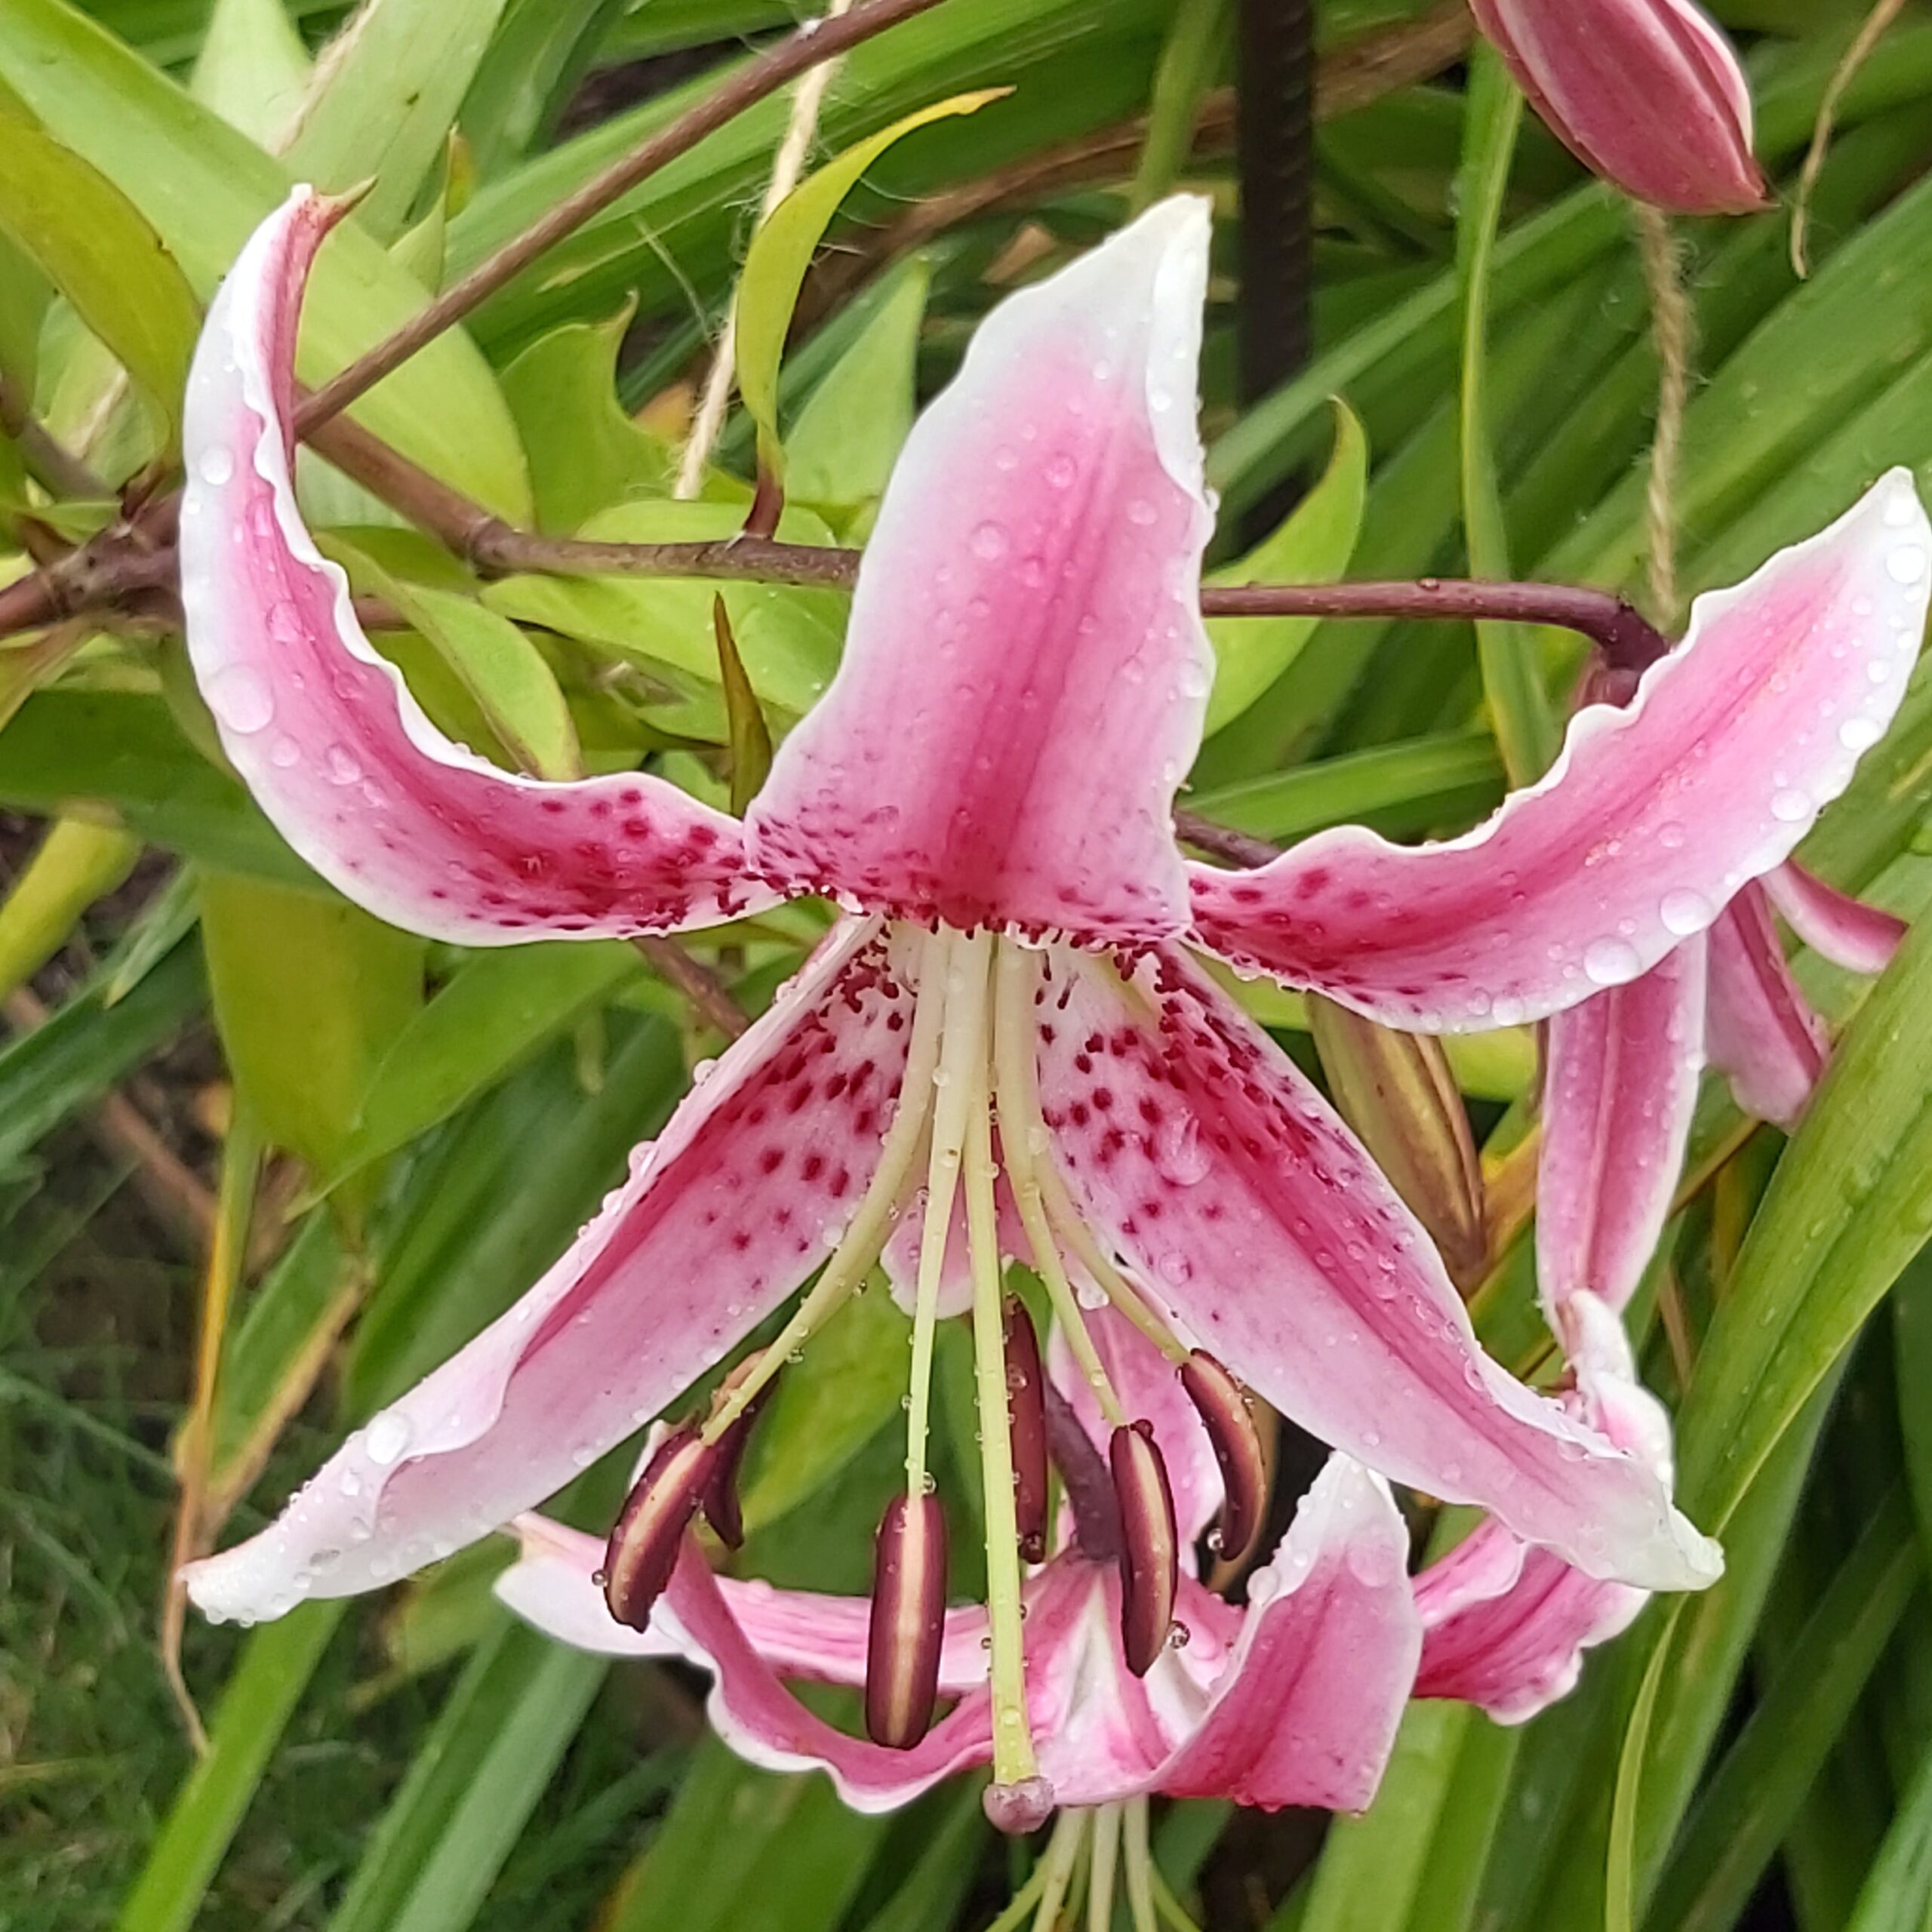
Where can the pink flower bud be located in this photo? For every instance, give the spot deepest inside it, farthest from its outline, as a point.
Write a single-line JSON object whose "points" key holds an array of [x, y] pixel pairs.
{"points": [[1648, 94]]}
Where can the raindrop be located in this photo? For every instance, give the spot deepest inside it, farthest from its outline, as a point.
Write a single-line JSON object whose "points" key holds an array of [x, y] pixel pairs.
{"points": [[988, 542], [1611, 962], [339, 761], [387, 1437], [1906, 564], [1791, 807], [241, 698], [1684, 912], [216, 464], [1859, 734]]}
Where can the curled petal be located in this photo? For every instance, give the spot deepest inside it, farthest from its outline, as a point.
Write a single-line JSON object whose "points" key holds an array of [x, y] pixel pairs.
{"points": [[323, 731], [1762, 1031], [1860, 938], [1653, 818], [799, 1633], [1619, 1087], [1505, 1626], [1306, 1711], [1025, 674], [760, 1720], [1647, 94], [716, 1225], [1192, 1141]]}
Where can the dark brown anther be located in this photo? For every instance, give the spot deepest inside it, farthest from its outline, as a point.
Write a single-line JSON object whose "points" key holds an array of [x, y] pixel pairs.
{"points": [[1026, 1387], [1222, 1403], [908, 1622], [1150, 1546], [643, 1549], [720, 1500]]}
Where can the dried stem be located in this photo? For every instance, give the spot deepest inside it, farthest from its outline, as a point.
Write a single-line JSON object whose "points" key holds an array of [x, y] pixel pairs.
{"points": [[800, 131], [1673, 328], [706, 993]]}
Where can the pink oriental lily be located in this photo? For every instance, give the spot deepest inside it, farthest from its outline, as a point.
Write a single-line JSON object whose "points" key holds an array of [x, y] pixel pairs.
{"points": [[1009, 1011], [1646, 92]]}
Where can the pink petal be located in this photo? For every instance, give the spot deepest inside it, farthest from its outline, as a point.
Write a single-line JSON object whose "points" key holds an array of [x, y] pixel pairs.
{"points": [[1860, 938], [1647, 94], [901, 1257], [334, 747], [717, 1224], [1026, 673], [762, 1720], [1761, 1029], [799, 1633], [1505, 1626], [1255, 1217], [1619, 1086], [1306, 1712], [1150, 1386], [1654, 817]]}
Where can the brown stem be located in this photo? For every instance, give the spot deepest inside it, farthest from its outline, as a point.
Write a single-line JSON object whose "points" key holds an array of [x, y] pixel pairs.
{"points": [[819, 40], [706, 993], [1239, 849]]}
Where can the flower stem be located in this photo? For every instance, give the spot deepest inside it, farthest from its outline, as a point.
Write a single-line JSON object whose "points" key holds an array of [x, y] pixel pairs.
{"points": [[1056, 1867]]}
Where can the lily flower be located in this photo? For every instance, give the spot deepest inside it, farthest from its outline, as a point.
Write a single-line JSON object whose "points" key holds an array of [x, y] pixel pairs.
{"points": [[986, 789], [1621, 1070], [1647, 94]]}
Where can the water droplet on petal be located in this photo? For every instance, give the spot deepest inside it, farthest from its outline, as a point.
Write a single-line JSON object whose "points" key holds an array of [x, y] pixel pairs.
{"points": [[216, 464], [988, 542], [1906, 564], [1859, 734], [241, 698], [1791, 807], [386, 1437], [1611, 962], [1684, 912]]}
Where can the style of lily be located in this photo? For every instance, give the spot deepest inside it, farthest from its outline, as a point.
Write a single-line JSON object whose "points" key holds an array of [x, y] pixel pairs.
{"points": [[1621, 1071], [1647, 94], [1011, 1007]]}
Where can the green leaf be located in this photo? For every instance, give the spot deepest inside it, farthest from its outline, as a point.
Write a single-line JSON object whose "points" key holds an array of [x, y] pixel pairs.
{"points": [[253, 70], [1312, 545], [1898, 1889], [502, 669], [24, 294], [477, 1776], [585, 454], [277, 1663], [789, 639], [747, 736], [1526, 731], [534, 61], [849, 431], [782, 250], [829, 1406], [309, 992], [95, 246], [497, 1009], [204, 188], [74, 1058], [76, 863], [390, 84], [1745, 1811]]}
